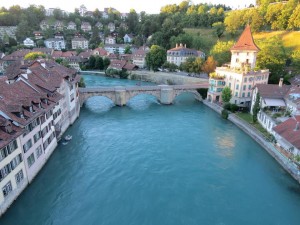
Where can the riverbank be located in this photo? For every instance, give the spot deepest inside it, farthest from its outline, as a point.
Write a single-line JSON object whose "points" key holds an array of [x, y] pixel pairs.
{"points": [[287, 164], [157, 77], [165, 78]]}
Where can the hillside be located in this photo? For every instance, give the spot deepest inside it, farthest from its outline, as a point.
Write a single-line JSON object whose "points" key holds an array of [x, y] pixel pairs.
{"points": [[291, 39]]}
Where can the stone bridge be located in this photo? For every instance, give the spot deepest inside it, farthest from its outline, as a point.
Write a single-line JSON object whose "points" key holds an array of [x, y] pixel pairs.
{"points": [[120, 95]]}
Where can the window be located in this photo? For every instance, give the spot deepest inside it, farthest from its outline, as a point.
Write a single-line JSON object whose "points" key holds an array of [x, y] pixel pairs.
{"points": [[30, 160], [19, 176], [249, 94], [244, 87], [236, 94], [237, 87], [7, 189], [229, 85], [27, 145], [243, 94], [39, 151], [245, 79], [236, 60], [249, 87], [37, 136]]}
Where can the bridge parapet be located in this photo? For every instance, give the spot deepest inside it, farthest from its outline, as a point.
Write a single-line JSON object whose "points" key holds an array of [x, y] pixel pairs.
{"points": [[120, 95]]}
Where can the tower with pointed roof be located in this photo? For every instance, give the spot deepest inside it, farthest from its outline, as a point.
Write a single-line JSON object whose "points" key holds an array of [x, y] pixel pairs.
{"points": [[240, 74]]}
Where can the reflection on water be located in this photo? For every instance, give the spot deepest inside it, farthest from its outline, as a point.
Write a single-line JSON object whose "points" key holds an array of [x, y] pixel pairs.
{"points": [[142, 102], [99, 104]]}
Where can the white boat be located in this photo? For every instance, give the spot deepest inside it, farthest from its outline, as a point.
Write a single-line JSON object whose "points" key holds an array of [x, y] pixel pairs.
{"points": [[65, 143], [68, 138]]}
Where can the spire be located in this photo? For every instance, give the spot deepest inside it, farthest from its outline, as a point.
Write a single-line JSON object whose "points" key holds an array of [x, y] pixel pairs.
{"points": [[245, 41]]}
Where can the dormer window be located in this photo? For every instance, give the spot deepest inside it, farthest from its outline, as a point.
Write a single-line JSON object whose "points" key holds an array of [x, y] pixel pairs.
{"points": [[8, 129]]}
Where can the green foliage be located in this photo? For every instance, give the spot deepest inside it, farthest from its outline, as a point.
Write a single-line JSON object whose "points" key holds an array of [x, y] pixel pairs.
{"points": [[127, 49], [219, 28], [99, 63], [224, 114], [296, 59], [123, 74], [209, 65], [156, 57], [226, 94], [81, 83], [227, 106], [233, 108], [170, 66], [106, 62], [272, 56], [34, 55], [192, 65], [221, 52], [256, 108], [92, 61]]}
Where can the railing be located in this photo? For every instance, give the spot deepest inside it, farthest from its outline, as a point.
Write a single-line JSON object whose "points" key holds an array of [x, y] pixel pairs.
{"points": [[143, 88]]}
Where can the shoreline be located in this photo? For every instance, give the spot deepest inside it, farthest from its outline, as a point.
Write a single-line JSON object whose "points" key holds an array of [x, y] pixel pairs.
{"points": [[290, 167]]}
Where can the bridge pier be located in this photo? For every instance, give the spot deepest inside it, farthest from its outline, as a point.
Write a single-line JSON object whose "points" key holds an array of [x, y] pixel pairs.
{"points": [[166, 95], [120, 99]]}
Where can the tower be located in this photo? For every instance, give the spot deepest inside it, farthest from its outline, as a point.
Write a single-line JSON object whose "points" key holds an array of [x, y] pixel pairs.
{"points": [[244, 52]]}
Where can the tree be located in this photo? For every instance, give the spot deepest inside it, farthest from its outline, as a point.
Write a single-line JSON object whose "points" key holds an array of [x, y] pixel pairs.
{"points": [[210, 65], [272, 56], [34, 55], [99, 63], [226, 94], [156, 57], [234, 21], [92, 61], [106, 62], [221, 52], [219, 28], [296, 59], [81, 83], [256, 108], [127, 50], [294, 21]]}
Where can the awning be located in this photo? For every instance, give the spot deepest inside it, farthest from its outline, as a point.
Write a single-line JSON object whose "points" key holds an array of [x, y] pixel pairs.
{"points": [[274, 102]]}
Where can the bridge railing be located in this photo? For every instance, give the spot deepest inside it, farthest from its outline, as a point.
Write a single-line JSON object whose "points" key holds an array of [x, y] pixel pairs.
{"points": [[143, 88]]}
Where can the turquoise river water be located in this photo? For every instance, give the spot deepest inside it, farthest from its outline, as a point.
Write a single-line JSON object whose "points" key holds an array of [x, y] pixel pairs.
{"points": [[151, 164]]}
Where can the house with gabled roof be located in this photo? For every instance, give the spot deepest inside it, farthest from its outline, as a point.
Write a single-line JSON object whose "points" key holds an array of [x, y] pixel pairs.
{"points": [[86, 26], [44, 25], [71, 26], [111, 26], [128, 38]]}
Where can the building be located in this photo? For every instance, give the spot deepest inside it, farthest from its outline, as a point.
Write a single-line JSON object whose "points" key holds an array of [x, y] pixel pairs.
{"points": [[111, 26], [181, 53], [58, 25], [28, 42], [44, 25], [139, 57], [240, 76], [37, 105], [13, 176], [110, 40], [39, 100], [86, 26], [99, 25], [80, 43], [100, 52], [128, 38], [287, 135], [55, 43], [118, 48], [71, 26], [49, 12], [38, 35]]}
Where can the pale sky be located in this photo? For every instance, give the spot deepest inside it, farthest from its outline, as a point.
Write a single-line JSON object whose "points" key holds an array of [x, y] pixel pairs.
{"points": [[150, 6]]}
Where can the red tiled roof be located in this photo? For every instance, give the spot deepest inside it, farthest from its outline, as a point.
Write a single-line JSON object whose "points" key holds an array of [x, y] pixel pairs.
{"points": [[288, 132], [245, 41]]}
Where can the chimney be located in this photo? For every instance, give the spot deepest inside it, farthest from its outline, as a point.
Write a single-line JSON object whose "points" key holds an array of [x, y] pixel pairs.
{"points": [[176, 45], [297, 126], [280, 82]]}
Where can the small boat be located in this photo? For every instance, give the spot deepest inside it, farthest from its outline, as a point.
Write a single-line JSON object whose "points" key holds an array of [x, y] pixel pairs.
{"points": [[68, 138], [65, 143]]}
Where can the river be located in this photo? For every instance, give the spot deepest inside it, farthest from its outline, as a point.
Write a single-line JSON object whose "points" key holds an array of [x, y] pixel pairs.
{"points": [[151, 164]]}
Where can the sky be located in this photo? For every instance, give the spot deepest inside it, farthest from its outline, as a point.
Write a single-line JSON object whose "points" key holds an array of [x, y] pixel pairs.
{"points": [[121, 5]]}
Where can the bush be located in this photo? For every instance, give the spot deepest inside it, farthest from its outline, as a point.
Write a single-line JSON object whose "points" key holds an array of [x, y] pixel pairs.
{"points": [[234, 108], [227, 106], [225, 114]]}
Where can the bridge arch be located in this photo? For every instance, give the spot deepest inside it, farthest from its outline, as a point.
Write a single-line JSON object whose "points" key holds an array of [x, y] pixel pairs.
{"points": [[85, 96], [194, 92]]}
